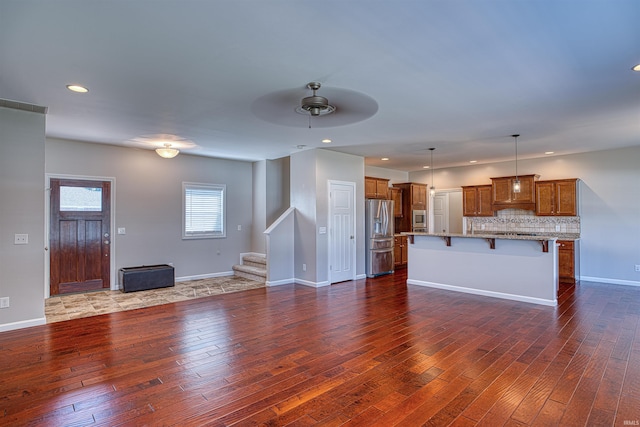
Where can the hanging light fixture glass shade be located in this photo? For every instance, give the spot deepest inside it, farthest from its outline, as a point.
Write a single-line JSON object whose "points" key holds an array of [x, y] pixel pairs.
{"points": [[167, 152], [432, 189], [516, 182]]}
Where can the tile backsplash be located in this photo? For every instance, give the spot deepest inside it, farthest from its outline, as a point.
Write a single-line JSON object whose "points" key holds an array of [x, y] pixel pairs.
{"points": [[518, 220]]}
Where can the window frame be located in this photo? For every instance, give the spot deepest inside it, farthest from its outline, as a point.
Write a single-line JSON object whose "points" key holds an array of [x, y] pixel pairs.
{"points": [[222, 188]]}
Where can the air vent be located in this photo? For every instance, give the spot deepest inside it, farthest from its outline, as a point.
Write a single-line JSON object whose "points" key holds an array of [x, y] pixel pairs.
{"points": [[22, 106]]}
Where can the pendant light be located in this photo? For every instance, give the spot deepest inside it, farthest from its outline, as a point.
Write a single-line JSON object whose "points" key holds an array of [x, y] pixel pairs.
{"points": [[516, 182], [432, 189]]}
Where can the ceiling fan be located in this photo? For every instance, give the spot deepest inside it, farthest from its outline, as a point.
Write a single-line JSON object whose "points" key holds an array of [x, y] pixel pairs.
{"points": [[346, 106], [315, 105]]}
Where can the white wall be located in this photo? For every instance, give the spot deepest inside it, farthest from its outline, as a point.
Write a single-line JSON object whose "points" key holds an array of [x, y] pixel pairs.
{"points": [[609, 204], [148, 203], [22, 157]]}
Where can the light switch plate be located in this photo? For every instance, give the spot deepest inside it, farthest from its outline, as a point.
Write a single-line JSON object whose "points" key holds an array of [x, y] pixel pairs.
{"points": [[122, 230]]}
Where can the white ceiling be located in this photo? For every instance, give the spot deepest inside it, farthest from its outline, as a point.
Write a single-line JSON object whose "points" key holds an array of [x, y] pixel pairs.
{"points": [[458, 75]]}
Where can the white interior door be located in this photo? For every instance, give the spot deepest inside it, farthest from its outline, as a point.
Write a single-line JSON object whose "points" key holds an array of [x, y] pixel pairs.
{"points": [[342, 242], [441, 213]]}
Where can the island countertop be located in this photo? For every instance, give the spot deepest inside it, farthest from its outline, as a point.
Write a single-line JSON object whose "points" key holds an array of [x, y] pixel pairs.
{"points": [[508, 236]]}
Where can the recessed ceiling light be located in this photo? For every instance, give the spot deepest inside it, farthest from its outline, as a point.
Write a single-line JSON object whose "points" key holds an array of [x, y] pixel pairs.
{"points": [[636, 67], [77, 88], [384, 159], [326, 141], [473, 161], [548, 152], [425, 167]]}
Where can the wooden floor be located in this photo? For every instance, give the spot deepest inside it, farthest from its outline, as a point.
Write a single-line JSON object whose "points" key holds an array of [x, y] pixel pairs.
{"points": [[366, 353]]}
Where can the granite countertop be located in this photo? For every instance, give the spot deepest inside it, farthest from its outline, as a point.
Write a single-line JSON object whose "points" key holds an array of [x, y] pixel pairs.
{"points": [[505, 236]]}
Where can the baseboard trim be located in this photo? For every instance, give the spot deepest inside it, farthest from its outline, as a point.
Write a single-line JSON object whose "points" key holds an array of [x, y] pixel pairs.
{"points": [[204, 276], [521, 298], [610, 281], [280, 282], [312, 284], [23, 324]]}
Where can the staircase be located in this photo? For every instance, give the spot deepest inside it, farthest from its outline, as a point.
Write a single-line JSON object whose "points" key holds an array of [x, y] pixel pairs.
{"points": [[252, 267]]}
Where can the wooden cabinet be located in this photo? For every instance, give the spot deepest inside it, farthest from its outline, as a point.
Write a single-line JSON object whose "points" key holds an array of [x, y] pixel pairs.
{"points": [[568, 261], [396, 196], [400, 251], [376, 188], [557, 197], [503, 196], [414, 197], [418, 196], [476, 200]]}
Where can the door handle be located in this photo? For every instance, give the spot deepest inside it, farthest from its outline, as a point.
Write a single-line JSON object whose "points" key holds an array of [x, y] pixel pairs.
{"points": [[106, 242]]}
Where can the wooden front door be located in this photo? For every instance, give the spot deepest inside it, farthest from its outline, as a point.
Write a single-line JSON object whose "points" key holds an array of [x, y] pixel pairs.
{"points": [[80, 235]]}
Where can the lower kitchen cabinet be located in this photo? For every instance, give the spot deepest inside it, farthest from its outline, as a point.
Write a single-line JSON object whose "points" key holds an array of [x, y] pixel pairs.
{"points": [[568, 261], [400, 251]]}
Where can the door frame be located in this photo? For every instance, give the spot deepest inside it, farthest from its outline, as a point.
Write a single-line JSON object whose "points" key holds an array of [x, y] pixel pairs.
{"points": [[113, 285], [354, 245]]}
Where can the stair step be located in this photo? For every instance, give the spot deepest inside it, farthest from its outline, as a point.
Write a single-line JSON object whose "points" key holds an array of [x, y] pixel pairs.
{"points": [[253, 267], [250, 272], [255, 260]]}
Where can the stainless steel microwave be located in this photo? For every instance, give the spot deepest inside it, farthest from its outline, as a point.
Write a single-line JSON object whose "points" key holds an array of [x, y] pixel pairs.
{"points": [[419, 219]]}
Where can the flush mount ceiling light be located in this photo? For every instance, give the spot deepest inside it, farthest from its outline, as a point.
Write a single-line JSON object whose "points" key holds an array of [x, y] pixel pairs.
{"points": [[516, 182], [326, 141], [77, 88], [167, 152], [636, 67], [315, 105], [432, 189]]}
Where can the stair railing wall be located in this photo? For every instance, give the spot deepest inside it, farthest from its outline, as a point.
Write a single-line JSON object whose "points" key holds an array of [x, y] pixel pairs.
{"points": [[280, 251]]}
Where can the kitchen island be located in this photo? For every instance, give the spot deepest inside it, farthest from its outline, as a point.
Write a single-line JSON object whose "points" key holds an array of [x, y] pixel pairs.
{"points": [[516, 267]]}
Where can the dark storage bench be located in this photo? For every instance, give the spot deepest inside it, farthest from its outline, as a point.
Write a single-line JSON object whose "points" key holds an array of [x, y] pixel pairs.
{"points": [[146, 277]]}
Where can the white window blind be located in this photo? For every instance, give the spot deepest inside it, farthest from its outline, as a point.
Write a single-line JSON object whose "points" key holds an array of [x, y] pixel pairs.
{"points": [[203, 210]]}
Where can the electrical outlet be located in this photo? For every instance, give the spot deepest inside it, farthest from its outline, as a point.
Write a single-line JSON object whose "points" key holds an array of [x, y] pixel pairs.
{"points": [[304, 267], [239, 228], [4, 302], [638, 267], [558, 227], [21, 239]]}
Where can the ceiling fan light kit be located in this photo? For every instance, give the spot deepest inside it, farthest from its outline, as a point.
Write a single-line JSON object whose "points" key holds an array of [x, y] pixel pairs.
{"points": [[315, 105]]}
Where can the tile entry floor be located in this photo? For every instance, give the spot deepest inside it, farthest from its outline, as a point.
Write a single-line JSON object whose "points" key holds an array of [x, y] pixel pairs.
{"points": [[75, 306]]}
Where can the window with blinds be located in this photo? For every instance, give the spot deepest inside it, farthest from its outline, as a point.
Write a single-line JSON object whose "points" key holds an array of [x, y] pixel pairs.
{"points": [[203, 210]]}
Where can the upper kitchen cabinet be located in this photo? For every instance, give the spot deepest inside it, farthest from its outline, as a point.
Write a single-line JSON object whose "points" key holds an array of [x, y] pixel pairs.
{"points": [[396, 196], [419, 196], [476, 200], [503, 196], [376, 188], [557, 197]]}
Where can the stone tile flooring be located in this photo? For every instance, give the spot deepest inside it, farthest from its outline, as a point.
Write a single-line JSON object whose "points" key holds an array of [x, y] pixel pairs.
{"points": [[75, 306]]}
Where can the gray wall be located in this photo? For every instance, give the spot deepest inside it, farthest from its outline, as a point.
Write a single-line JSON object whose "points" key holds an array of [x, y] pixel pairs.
{"points": [[22, 157], [310, 172], [271, 197], [148, 203], [609, 204]]}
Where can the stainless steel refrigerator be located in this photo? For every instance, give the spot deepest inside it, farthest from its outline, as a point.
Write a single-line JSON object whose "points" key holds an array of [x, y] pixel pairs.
{"points": [[379, 236]]}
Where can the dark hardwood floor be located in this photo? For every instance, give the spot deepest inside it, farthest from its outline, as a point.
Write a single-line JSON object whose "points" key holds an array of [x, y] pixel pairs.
{"points": [[365, 353]]}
